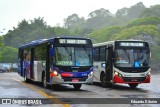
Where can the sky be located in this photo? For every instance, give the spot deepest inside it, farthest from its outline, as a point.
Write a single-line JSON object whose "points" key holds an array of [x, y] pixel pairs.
{"points": [[55, 11]]}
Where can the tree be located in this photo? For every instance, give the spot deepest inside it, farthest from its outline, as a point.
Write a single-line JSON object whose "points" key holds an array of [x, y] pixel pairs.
{"points": [[73, 21], [121, 13], [23, 25], [98, 19], [100, 13], [152, 11], [125, 15], [76, 25], [8, 54], [144, 21], [1, 40], [135, 10], [104, 34]]}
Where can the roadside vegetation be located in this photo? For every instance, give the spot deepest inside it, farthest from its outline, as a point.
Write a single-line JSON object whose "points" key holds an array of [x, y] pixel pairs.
{"points": [[136, 22]]}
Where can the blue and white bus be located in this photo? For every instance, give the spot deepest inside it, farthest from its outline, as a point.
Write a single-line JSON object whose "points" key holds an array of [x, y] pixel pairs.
{"points": [[122, 61], [60, 60]]}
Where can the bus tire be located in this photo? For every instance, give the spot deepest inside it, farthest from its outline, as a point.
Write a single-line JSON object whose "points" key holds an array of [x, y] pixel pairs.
{"points": [[44, 83], [77, 86], [133, 85], [103, 80]]}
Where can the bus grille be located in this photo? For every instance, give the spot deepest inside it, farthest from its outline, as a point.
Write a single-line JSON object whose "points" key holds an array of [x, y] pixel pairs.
{"points": [[70, 79], [134, 79], [133, 70], [68, 69]]}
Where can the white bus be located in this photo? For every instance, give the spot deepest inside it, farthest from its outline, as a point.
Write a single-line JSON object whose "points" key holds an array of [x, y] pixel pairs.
{"points": [[122, 61]]}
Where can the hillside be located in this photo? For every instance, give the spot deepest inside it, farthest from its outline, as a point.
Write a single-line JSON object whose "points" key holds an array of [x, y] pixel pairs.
{"points": [[101, 25], [143, 28]]}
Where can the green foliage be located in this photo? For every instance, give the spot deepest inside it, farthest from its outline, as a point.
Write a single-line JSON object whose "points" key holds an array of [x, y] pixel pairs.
{"points": [[8, 54], [143, 28], [76, 25], [33, 30], [1, 41], [73, 21], [153, 11], [135, 10], [100, 26], [26, 32], [98, 19], [60, 31], [155, 57], [129, 33], [102, 18], [104, 34], [144, 21]]}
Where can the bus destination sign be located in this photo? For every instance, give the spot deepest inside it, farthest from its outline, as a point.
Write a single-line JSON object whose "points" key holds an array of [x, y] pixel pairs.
{"points": [[72, 41], [132, 44]]}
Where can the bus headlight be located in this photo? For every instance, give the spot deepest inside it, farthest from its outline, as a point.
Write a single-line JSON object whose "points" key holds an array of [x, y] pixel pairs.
{"points": [[149, 73], [53, 73], [90, 74], [117, 73]]}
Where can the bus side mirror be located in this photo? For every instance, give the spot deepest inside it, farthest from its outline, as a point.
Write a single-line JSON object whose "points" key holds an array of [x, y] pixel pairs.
{"points": [[51, 52]]}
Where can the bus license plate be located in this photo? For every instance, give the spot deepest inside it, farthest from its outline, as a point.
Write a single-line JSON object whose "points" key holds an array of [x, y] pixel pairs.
{"points": [[75, 80], [134, 79]]}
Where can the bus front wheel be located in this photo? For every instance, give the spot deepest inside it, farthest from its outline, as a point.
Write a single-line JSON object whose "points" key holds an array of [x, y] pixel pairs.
{"points": [[25, 78], [77, 86], [44, 82], [103, 80], [133, 85]]}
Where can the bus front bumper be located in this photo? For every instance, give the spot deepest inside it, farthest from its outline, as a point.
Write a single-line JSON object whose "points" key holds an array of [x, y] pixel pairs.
{"points": [[127, 80], [60, 80]]}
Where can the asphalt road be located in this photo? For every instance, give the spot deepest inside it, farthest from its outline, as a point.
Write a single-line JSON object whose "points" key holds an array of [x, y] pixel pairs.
{"points": [[13, 87]]}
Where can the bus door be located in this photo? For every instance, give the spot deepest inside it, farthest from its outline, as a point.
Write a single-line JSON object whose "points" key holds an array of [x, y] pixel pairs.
{"points": [[109, 63], [32, 64], [20, 63], [48, 63]]}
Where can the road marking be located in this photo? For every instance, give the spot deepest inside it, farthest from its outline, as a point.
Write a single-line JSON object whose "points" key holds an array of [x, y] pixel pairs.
{"points": [[44, 94]]}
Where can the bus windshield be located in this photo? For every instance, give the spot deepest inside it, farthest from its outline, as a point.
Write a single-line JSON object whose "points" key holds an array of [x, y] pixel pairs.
{"points": [[132, 57], [73, 56]]}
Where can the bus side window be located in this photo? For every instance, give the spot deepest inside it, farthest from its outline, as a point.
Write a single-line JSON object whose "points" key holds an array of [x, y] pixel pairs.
{"points": [[106, 54], [102, 54], [96, 56]]}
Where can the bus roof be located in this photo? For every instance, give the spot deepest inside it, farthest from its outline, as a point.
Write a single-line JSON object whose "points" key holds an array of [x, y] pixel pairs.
{"points": [[112, 42], [40, 41]]}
